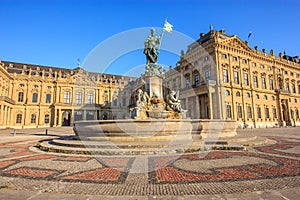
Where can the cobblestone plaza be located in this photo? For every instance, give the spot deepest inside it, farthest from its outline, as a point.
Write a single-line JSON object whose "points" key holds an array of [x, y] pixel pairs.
{"points": [[268, 166]]}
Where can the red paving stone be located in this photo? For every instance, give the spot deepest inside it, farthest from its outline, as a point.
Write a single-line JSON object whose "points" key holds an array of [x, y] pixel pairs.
{"points": [[37, 157], [282, 144], [170, 174], [32, 173], [106, 174], [4, 164]]}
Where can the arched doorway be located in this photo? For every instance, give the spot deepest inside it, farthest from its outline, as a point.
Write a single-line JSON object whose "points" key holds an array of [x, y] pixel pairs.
{"points": [[66, 118]]}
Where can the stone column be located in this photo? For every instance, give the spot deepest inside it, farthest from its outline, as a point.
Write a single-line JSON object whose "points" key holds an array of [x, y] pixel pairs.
{"points": [[54, 118], [5, 116], [59, 117], [210, 106], [1, 112]]}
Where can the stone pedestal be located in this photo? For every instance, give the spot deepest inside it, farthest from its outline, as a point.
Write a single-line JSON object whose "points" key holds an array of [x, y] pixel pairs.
{"points": [[154, 87]]}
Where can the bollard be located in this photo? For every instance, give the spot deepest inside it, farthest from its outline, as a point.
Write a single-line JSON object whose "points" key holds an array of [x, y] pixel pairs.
{"points": [[15, 132], [46, 132]]}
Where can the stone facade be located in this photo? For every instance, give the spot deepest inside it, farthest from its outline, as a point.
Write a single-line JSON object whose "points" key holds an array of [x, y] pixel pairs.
{"points": [[40, 96], [221, 77]]}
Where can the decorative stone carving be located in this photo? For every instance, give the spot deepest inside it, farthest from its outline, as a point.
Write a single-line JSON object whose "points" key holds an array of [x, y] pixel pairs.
{"points": [[174, 102]]}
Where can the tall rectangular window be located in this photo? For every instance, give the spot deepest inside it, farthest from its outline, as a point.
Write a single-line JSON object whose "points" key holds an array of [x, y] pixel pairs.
{"points": [[47, 118], [274, 113], [263, 82], [297, 113], [271, 84], [228, 111], [78, 115], [90, 98], [67, 97], [105, 100], [293, 88], [19, 118], [255, 82], [239, 112], [48, 98], [207, 75], [287, 86], [33, 118], [115, 102], [258, 112], [20, 97], [246, 82], [197, 83], [236, 77], [225, 74], [78, 98], [267, 113], [249, 112], [34, 97]]}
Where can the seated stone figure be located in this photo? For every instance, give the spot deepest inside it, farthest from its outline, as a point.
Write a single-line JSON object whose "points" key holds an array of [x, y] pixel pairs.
{"points": [[142, 101], [173, 101]]}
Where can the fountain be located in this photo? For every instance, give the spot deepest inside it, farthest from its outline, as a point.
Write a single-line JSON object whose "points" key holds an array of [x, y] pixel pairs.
{"points": [[157, 123]]}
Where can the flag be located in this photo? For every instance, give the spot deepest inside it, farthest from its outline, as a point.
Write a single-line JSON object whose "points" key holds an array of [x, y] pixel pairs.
{"points": [[249, 35], [168, 27]]}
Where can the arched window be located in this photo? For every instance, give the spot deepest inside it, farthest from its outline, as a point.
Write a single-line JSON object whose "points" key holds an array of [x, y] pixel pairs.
{"points": [[227, 93], [238, 94], [20, 96], [265, 97]]}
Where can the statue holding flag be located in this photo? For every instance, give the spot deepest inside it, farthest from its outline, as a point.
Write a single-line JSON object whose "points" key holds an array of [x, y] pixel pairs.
{"points": [[152, 48]]}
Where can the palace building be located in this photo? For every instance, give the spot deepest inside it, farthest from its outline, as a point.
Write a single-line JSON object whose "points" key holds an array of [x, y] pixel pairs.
{"points": [[221, 77], [40, 96], [218, 77]]}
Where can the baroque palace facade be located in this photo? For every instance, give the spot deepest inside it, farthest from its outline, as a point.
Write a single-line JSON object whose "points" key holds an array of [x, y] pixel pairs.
{"points": [[40, 96], [221, 77]]}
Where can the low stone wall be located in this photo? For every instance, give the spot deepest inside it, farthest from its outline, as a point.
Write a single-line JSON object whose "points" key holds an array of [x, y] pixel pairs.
{"points": [[214, 128]]}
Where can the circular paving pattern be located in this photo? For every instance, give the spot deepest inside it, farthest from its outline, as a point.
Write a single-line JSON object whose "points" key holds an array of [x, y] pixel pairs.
{"points": [[273, 166]]}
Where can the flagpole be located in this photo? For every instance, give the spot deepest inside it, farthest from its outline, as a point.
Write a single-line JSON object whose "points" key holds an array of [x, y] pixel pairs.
{"points": [[161, 36]]}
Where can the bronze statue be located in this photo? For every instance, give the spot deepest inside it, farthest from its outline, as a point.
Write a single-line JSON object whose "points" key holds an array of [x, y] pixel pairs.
{"points": [[151, 49]]}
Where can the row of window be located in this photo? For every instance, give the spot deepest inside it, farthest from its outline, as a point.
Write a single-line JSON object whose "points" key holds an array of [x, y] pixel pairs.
{"points": [[244, 61], [258, 112], [32, 119], [255, 82], [66, 98], [34, 97]]}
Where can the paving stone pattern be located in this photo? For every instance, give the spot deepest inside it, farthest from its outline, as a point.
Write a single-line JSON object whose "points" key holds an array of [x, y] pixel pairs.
{"points": [[270, 167]]}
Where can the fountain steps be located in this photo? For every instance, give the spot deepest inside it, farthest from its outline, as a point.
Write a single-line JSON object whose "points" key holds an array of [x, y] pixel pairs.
{"points": [[144, 146]]}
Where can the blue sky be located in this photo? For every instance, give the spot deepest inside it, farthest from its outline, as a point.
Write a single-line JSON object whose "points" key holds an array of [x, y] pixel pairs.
{"points": [[57, 33]]}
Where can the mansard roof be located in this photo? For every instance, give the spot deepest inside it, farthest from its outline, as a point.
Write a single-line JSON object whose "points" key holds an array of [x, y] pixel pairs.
{"points": [[15, 67]]}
